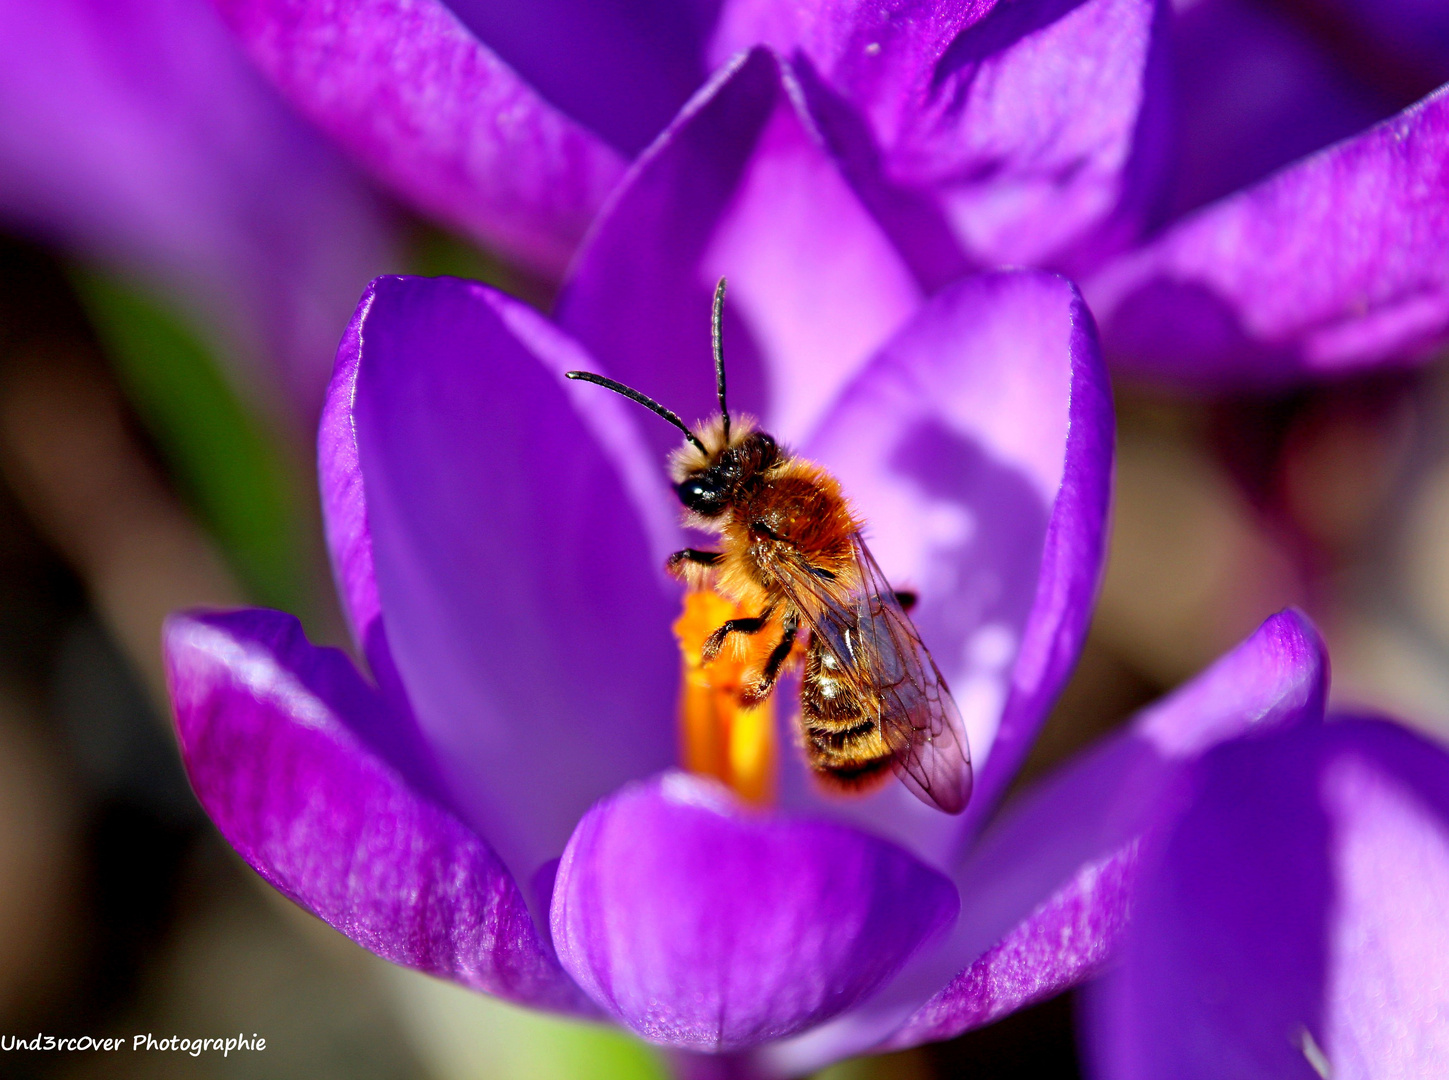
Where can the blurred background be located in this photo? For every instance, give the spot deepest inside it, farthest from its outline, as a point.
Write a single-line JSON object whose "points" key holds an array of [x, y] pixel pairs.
{"points": [[152, 457]]}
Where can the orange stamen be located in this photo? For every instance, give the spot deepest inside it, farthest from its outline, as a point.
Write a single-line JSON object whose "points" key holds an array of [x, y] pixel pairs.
{"points": [[721, 739]]}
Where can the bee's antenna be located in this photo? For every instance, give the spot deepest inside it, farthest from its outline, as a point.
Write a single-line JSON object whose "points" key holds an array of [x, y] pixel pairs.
{"points": [[643, 399], [716, 339]]}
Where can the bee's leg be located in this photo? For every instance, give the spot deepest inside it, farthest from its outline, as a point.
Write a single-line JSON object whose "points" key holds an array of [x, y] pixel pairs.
{"points": [[751, 696], [715, 642], [690, 565], [906, 599]]}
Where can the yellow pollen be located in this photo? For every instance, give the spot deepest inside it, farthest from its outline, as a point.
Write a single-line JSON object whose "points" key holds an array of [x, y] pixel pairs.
{"points": [[721, 739]]}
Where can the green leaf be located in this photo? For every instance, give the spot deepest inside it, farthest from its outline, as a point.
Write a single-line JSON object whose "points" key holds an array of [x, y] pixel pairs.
{"points": [[229, 467], [464, 1035]]}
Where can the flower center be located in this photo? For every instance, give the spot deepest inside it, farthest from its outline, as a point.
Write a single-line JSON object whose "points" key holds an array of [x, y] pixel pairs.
{"points": [[719, 738]]}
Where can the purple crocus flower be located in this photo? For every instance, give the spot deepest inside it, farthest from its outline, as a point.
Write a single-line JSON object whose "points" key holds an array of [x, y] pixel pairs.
{"points": [[137, 135], [1330, 265], [1308, 202], [1031, 133], [504, 808], [1293, 919], [1023, 133]]}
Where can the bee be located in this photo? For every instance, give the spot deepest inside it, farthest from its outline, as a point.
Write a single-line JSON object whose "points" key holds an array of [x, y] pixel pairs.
{"points": [[872, 701]]}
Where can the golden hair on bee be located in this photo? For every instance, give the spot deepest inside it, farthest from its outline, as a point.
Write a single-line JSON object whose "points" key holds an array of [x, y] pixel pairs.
{"points": [[715, 437], [872, 701]]}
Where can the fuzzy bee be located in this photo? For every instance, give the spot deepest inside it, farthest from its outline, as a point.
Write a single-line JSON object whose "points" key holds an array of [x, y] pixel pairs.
{"points": [[872, 701]]}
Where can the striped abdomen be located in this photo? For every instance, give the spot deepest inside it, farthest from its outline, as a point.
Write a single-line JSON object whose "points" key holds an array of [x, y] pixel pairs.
{"points": [[843, 738]]}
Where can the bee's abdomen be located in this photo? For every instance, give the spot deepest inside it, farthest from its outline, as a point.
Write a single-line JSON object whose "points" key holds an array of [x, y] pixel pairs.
{"points": [[843, 739]]}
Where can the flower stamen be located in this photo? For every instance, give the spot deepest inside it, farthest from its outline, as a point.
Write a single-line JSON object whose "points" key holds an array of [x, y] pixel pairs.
{"points": [[719, 738]]}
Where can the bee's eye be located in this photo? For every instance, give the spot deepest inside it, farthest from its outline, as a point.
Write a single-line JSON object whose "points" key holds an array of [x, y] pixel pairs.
{"points": [[703, 494]]}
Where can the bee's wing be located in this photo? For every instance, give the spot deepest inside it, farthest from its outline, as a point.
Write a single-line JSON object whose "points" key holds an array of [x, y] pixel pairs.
{"points": [[878, 648]]}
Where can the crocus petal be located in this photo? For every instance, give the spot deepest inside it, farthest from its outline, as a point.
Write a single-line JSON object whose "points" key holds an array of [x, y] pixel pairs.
{"points": [[1065, 940], [349, 542], [137, 133], [344, 496], [978, 449], [622, 69], [1035, 125], [287, 749], [524, 605], [1252, 93], [440, 119], [1297, 922], [740, 186], [704, 925], [1052, 880], [344, 493], [1065, 840], [1406, 39], [881, 55], [1333, 265]]}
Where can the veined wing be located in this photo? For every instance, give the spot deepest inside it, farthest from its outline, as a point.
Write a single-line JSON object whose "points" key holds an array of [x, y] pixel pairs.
{"points": [[877, 647]]}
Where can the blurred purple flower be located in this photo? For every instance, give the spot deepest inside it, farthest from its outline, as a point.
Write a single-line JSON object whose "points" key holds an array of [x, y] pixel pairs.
{"points": [[1316, 265], [1333, 264], [1026, 133], [1293, 916], [137, 134], [1031, 133], [503, 809], [1329, 266]]}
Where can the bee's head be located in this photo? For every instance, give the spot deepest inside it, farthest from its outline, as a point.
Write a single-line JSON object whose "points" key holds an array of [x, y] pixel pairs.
{"points": [[712, 470], [716, 461]]}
